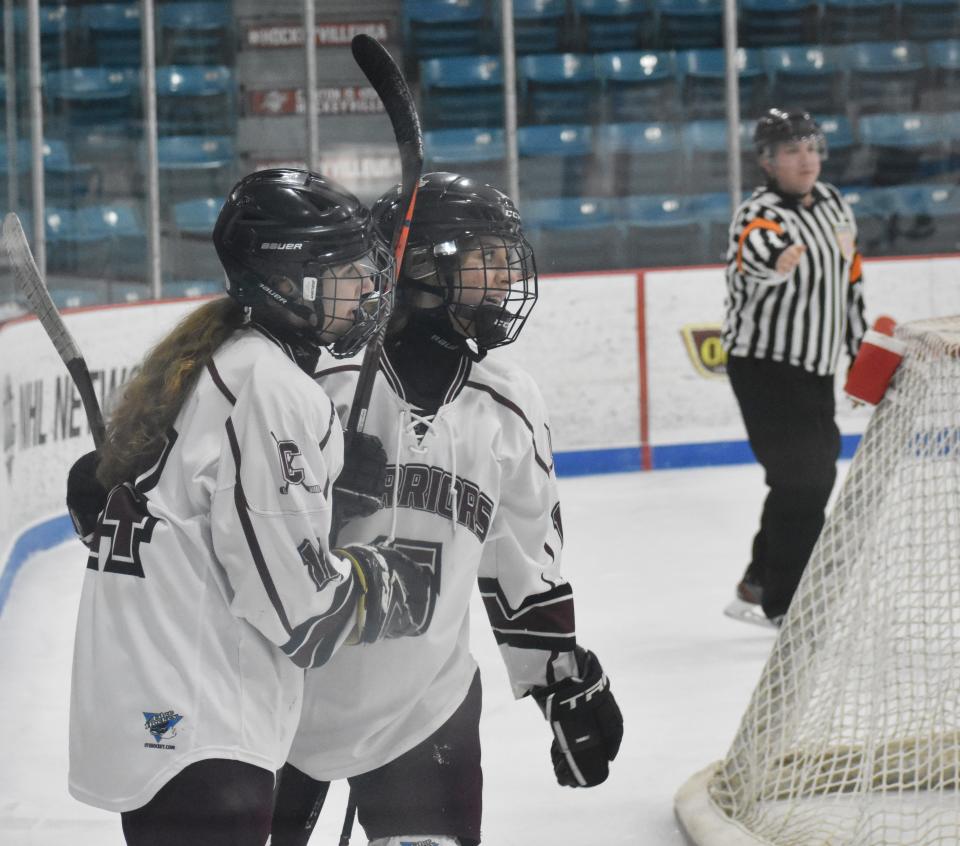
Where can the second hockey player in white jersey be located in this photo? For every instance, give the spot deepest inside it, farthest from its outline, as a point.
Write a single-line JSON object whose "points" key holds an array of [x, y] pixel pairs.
{"points": [[471, 493], [210, 584]]}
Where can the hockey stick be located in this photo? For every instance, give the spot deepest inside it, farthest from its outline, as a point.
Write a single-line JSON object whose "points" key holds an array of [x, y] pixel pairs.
{"points": [[384, 75], [30, 284]]}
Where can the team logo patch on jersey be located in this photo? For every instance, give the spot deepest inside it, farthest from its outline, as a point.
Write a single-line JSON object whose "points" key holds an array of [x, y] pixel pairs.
{"points": [[292, 475], [844, 235], [162, 727], [705, 349]]}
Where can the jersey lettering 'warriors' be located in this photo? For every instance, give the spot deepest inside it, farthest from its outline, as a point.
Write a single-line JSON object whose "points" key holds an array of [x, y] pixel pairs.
{"points": [[499, 529], [426, 488]]}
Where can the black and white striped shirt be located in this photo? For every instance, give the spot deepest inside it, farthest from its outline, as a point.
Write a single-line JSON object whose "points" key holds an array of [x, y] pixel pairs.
{"points": [[806, 317]]}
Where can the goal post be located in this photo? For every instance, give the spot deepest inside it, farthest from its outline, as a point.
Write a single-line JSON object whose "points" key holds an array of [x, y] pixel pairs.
{"points": [[852, 734]]}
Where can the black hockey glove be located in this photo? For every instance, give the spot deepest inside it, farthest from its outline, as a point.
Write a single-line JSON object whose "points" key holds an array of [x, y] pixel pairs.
{"points": [[361, 483], [397, 596], [86, 497], [586, 721]]}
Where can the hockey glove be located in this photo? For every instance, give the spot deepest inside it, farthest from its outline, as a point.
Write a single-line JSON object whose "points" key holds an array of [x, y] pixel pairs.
{"points": [[586, 721], [397, 595], [361, 483], [86, 497]]}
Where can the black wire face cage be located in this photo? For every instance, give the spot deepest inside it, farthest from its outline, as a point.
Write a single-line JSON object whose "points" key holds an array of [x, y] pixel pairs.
{"points": [[356, 298], [343, 304], [491, 286]]}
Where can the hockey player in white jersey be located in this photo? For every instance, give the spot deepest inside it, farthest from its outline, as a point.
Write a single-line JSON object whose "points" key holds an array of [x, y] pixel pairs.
{"points": [[471, 493], [210, 584]]}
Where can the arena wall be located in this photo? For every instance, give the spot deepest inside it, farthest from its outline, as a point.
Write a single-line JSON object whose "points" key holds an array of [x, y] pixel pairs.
{"points": [[629, 364]]}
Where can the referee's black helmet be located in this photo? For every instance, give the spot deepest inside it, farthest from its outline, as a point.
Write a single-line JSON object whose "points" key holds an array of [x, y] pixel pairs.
{"points": [[778, 126]]}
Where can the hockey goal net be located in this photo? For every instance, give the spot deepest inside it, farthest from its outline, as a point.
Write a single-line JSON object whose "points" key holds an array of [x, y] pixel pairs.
{"points": [[852, 735]]}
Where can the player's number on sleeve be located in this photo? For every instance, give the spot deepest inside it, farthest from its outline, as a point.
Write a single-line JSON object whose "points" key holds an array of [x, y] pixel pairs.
{"points": [[125, 525]]}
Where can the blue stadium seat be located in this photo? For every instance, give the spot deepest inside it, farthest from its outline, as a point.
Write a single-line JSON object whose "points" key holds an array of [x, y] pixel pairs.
{"points": [[715, 212], [808, 77], [884, 76], [943, 63], [196, 99], [662, 231], [114, 32], [184, 288], [477, 153], [640, 157], [195, 164], [64, 234], [23, 158], [195, 33], [539, 26], [114, 242], [925, 20], [606, 25], [129, 292], [191, 256], [950, 131], [64, 298], [65, 180], [462, 91], [558, 88], [875, 212], [841, 146], [554, 160], [197, 216], [904, 147], [83, 100], [765, 23], [847, 21], [572, 233], [686, 24], [639, 85], [435, 28], [703, 82], [58, 21], [705, 152], [927, 218]]}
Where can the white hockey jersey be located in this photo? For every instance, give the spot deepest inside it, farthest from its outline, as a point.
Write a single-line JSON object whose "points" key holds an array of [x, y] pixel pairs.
{"points": [[210, 585], [472, 492]]}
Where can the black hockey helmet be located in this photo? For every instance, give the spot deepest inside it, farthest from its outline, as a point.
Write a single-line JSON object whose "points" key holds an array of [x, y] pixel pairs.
{"points": [[777, 126], [466, 247], [298, 246]]}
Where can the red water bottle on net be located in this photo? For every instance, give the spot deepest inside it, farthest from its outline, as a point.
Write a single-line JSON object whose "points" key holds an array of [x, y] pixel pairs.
{"points": [[876, 362]]}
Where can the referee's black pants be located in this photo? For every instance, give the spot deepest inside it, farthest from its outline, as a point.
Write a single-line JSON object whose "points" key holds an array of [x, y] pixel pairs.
{"points": [[789, 416]]}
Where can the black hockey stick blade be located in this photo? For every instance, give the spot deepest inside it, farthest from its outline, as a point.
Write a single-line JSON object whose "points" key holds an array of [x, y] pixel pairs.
{"points": [[27, 278], [384, 75]]}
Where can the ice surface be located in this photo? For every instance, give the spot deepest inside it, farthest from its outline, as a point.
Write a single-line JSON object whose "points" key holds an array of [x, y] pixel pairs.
{"points": [[653, 558]]}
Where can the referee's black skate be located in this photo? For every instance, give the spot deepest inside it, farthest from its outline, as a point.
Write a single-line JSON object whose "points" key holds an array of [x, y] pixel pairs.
{"points": [[746, 605]]}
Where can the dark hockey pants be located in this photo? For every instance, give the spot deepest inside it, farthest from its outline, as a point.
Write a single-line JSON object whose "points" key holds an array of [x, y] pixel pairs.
{"points": [[434, 788], [789, 416], [209, 803]]}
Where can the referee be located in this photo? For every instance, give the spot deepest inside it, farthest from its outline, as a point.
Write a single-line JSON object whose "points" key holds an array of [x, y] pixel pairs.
{"points": [[794, 299]]}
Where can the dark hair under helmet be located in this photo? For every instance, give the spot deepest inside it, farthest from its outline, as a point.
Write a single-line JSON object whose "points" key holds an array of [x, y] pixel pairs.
{"points": [[777, 126], [466, 246], [294, 242]]}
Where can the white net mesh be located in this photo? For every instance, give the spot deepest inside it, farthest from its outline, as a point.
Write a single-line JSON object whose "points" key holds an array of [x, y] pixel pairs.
{"points": [[853, 732]]}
